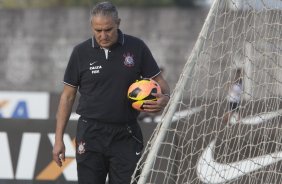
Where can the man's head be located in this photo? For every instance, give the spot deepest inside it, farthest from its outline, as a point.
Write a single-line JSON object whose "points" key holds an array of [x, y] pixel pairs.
{"points": [[105, 23]]}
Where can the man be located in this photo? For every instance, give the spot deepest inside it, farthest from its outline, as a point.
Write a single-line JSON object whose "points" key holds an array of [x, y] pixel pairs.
{"points": [[108, 140], [235, 91]]}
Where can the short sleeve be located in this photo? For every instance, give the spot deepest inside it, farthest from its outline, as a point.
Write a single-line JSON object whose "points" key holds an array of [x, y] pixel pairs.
{"points": [[149, 66], [71, 76]]}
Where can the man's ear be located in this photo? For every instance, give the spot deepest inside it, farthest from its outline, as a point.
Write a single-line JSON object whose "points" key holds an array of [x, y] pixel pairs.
{"points": [[90, 20], [92, 30], [118, 22], [91, 27]]}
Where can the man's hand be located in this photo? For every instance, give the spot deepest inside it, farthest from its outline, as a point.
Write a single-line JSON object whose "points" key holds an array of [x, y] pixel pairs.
{"points": [[59, 153], [158, 105]]}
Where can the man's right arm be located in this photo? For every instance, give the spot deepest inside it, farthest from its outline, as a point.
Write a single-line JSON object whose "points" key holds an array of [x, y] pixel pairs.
{"points": [[64, 110]]}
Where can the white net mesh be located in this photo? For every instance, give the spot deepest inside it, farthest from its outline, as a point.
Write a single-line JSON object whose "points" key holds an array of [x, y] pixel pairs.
{"points": [[213, 131]]}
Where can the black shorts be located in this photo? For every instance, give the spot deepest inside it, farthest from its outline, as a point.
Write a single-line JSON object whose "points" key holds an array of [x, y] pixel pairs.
{"points": [[103, 148]]}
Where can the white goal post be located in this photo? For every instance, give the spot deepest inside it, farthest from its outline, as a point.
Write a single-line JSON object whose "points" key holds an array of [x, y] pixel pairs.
{"points": [[222, 140]]}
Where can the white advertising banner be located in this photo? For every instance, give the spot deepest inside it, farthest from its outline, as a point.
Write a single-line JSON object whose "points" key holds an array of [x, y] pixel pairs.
{"points": [[24, 105]]}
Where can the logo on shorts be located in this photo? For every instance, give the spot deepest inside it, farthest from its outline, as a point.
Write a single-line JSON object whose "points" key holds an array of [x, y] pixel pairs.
{"points": [[81, 148], [128, 60]]}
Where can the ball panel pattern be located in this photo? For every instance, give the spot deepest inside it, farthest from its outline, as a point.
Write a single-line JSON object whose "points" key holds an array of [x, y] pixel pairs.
{"points": [[141, 91]]}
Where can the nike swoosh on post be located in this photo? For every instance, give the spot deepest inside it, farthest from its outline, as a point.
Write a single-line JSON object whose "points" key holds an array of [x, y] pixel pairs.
{"points": [[212, 172]]}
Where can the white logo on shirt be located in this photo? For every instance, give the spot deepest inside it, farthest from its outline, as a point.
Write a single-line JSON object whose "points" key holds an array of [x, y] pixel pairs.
{"points": [[128, 60], [95, 69], [92, 63]]}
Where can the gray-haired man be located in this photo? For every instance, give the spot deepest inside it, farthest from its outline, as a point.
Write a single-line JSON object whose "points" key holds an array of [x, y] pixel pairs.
{"points": [[109, 139]]}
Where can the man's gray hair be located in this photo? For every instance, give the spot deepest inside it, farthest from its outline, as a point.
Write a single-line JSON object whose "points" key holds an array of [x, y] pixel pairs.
{"points": [[104, 9]]}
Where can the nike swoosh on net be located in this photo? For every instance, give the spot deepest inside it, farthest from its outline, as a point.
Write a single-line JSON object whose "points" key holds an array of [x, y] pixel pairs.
{"points": [[212, 172]]}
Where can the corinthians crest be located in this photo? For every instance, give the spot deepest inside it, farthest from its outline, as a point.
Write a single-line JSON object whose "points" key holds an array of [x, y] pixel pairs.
{"points": [[81, 148], [128, 60]]}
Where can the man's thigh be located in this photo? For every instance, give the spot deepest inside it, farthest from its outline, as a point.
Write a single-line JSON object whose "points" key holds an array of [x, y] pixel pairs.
{"points": [[125, 152], [92, 168]]}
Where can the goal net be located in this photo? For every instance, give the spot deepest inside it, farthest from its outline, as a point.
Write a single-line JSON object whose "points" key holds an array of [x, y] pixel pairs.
{"points": [[223, 123]]}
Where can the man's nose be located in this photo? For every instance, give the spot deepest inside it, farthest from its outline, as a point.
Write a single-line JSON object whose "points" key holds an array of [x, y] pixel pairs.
{"points": [[103, 35]]}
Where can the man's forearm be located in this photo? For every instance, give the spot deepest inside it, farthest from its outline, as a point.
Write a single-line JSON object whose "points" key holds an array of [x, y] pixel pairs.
{"points": [[63, 114]]}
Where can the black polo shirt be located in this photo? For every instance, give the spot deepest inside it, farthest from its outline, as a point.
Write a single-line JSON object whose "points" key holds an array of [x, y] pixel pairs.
{"points": [[103, 82]]}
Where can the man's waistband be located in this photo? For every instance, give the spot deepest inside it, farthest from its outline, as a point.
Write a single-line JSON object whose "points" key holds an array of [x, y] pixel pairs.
{"points": [[105, 122]]}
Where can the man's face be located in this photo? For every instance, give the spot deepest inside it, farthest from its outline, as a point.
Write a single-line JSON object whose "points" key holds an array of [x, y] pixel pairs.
{"points": [[105, 29]]}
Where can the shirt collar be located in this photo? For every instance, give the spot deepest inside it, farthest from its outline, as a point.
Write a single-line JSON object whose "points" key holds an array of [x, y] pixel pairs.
{"points": [[120, 40]]}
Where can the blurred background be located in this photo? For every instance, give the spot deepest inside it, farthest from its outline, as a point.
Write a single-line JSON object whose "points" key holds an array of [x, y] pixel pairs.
{"points": [[36, 39]]}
